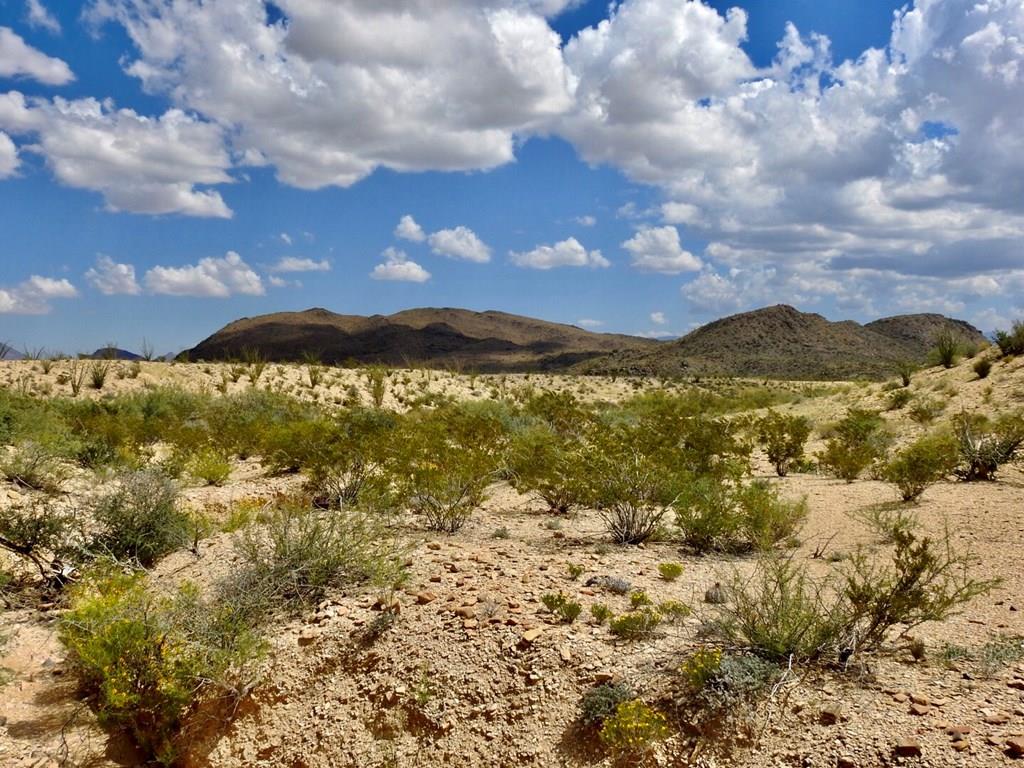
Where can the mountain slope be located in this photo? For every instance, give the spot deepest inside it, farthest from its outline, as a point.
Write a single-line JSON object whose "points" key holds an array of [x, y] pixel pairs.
{"points": [[782, 342], [485, 341]]}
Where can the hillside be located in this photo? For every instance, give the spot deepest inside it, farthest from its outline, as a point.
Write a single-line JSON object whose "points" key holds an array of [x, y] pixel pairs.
{"points": [[485, 341], [782, 342]]}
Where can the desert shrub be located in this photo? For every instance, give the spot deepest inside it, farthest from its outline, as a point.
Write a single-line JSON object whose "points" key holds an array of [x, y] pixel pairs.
{"points": [[376, 379], [210, 465], [547, 464], [857, 440], [140, 519], [98, 372], [982, 367], [565, 609], [922, 463], [924, 410], [674, 611], [670, 571], [899, 398], [34, 466], [700, 667], [299, 553], [906, 369], [39, 534], [600, 612], [638, 598], [575, 570], [984, 446], [148, 661], [948, 347], [781, 612], [782, 437], [634, 728], [600, 702], [635, 625], [887, 522], [1011, 342], [716, 515], [736, 682], [926, 581]]}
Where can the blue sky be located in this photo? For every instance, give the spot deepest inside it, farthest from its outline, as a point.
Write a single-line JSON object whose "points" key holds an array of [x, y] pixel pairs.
{"points": [[647, 168]]}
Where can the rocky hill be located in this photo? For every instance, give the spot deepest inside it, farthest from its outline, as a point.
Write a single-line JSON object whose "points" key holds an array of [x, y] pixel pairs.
{"points": [[782, 342], [455, 338]]}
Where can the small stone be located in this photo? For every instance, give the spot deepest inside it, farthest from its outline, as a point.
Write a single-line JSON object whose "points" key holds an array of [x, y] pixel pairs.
{"points": [[961, 745], [830, 714], [470, 624], [997, 719], [531, 636], [434, 545], [307, 637], [1015, 747], [958, 731], [919, 699], [845, 761], [899, 698], [907, 748], [564, 653], [920, 709], [425, 597], [465, 612]]}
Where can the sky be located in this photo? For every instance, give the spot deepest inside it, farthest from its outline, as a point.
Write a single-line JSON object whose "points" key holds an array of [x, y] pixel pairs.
{"points": [[644, 166]]}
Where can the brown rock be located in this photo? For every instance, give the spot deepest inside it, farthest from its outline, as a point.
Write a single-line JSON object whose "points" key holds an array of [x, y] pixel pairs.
{"points": [[465, 612], [907, 748], [919, 699], [830, 714], [433, 545], [997, 719], [531, 636], [961, 745], [899, 698], [564, 653], [845, 761], [1015, 747], [425, 597], [920, 709], [470, 624]]}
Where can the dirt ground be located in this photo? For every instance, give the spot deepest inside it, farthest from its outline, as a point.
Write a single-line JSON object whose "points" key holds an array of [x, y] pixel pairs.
{"points": [[475, 673]]}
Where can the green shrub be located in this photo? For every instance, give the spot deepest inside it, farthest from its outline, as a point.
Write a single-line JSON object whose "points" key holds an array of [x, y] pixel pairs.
{"points": [[38, 533], [209, 465], [736, 684], [34, 466], [298, 554], [948, 347], [575, 570], [782, 438], [700, 667], [376, 378], [634, 728], [982, 367], [600, 702], [858, 440], [600, 612], [565, 609], [985, 446], [1011, 342], [888, 523], [899, 398], [674, 611], [925, 410], [638, 598], [906, 369], [149, 662], [922, 463], [547, 464], [141, 519], [670, 571], [635, 625], [98, 371]]}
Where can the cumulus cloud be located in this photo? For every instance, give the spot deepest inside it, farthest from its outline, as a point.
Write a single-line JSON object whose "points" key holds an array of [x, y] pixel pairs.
{"points": [[658, 318], [111, 278], [459, 243], [34, 296], [408, 229], [19, 59], [586, 221], [398, 267], [657, 249], [342, 87], [211, 277], [568, 253], [588, 322], [39, 16], [8, 156], [295, 264], [139, 164]]}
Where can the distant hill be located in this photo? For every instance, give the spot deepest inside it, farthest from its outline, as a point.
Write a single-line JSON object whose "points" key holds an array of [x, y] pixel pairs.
{"points": [[114, 353], [782, 342], [484, 341]]}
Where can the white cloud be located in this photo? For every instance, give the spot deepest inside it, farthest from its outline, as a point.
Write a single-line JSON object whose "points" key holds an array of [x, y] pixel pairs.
{"points": [[657, 249], [39, 16], [586, 221], [568, 253], [294, 264], [19, 59], [211, 277], [8, 156], [397, 267], [285, 238], [33, 296], [587, 322], [347, 86], [459, 243], [408, 229], [110, 278], [658, 318], [139, 164]]}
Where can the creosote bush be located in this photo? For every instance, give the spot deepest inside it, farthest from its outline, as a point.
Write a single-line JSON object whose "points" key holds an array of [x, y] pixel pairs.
{"points": [[783, 437], [782, 612], [922, 463], [982, 367], [858, 440]]}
